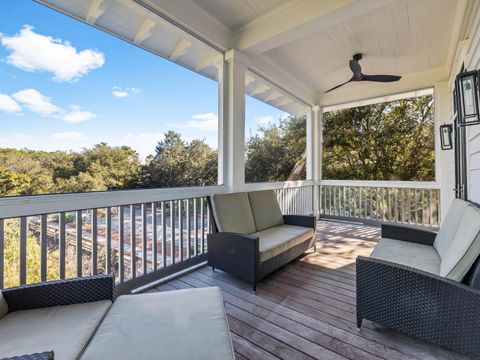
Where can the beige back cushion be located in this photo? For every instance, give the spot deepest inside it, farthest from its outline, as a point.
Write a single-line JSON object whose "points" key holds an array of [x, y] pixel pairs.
{"points": [[465, 246], [265, 209], [3, 306], [232, 213], [449, 226]]}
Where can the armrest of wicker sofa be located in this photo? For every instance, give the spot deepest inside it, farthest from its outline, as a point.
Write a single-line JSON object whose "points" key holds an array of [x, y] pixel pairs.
{"points": [[300, 220], [419, 304], [408, 233], [60, 292], [237, 254]]}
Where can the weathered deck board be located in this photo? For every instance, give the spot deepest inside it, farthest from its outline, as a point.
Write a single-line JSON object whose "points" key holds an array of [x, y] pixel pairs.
{"points": [[306, 310]]}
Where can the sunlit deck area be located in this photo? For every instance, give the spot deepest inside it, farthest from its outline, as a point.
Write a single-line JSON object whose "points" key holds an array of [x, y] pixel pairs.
{"points": [[306, 310]]}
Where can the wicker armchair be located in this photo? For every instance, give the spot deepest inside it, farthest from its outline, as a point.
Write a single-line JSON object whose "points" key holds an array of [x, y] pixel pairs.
{"points": [[424, 284], [252, 238]]}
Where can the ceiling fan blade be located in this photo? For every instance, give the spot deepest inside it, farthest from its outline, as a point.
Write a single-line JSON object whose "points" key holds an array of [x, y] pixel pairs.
{"points": [[355, 67], [336, 87], [381, 78]]}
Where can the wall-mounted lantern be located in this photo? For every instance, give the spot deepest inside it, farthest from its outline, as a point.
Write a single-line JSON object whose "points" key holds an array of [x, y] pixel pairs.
{"points": [[468, 98], [446, 136]]}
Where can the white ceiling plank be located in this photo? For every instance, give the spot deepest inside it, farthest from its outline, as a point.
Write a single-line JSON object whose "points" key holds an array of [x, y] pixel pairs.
{"points": [[299, 19], [145, 31], [181, 49], [96, 9]]}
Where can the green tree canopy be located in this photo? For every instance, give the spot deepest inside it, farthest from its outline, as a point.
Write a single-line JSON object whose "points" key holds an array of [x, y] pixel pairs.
{"points": [[386, 141], [277, 152]]}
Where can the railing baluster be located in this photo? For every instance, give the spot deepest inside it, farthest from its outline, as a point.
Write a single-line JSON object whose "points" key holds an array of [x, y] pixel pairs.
{"points": [[23, 250], [108, 240], [164, 234], [180, 228], [154, 236], [144, 239], [430, 197], [62, 243], [195, 225], [43, 247], [133, 244], [416, 206], [2, 254], [121, 242], [79, 242], [172, 232], [187, 218], [202, 224], [94, 242]]}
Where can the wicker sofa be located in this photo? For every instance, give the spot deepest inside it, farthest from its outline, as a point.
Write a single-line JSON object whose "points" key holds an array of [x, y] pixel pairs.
{"points": [[81, 319], [252, 238], [425, 284]]}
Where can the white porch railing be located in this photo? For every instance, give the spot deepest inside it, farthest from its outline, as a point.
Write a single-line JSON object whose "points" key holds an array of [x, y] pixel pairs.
{"points": [[415, 203], [139, 235]]}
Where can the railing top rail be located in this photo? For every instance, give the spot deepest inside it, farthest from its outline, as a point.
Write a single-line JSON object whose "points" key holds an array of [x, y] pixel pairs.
{"points": [[278, 185], [384, 184], [55, 203]]}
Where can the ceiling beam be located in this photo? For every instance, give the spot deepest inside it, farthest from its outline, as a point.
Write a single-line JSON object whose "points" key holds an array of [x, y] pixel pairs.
{"points": [[145, 31], [181, 49], [260, 89], [96, 9], [301, 18]]}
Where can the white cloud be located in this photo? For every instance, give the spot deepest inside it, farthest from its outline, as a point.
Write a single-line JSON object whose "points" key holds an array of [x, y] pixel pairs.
{"points": [[264, 120], [9, 105], [204, 122], [68, 135], [124, 92], [32, 52], [34, 101], [120, 94], [77, 115]]}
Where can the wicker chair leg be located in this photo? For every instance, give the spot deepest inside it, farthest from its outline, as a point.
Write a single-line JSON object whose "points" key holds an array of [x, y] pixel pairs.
{"points": [[213, 268], [254, 287], [359, 321]]}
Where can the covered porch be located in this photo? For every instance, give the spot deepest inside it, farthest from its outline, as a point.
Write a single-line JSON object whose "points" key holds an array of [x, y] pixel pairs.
{"points": [[286, 54]]}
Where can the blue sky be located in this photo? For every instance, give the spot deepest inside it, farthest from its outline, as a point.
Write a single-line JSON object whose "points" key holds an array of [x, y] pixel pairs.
{"points": [[65, 85]]}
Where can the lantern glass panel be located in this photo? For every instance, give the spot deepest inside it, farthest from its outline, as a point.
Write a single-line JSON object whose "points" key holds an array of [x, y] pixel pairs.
{"points": [[468, 85]]}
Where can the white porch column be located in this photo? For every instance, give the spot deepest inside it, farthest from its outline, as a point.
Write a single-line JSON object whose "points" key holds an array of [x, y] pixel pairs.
{"points": [[233, 132], [316, 159], [444, 164]]}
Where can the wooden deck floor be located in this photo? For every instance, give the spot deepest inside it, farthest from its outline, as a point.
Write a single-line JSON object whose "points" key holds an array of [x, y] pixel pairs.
{"points": [[306, 310]]}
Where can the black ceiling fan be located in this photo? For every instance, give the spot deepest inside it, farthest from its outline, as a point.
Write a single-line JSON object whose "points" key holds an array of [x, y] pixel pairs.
{"points": [[358, 76]]}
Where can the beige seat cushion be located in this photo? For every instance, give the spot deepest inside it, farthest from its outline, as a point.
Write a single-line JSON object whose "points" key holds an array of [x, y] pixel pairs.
{"points": [[64, 329], [232, 213], [265, 209], [278, 239], [3, 306], [418, 256], [176, 325], [464, 248], [449, 226]]}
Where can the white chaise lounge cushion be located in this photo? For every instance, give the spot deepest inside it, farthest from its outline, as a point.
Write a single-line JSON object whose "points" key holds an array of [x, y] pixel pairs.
{"points": [[449, 226], [464, 247], [232, 213], [265, 209], [175, 325], [279, 239], [418, 256], [3, 306], [64, 329]]}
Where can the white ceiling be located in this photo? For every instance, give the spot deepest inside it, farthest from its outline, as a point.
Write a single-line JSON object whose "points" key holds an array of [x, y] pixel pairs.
{"points": [[404, 37], [236, 13], [303, 46]]}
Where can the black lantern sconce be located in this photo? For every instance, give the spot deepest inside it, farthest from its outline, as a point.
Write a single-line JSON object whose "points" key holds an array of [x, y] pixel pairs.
{"points": [[467, 83], [446, 136]]}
